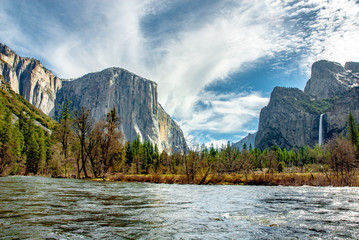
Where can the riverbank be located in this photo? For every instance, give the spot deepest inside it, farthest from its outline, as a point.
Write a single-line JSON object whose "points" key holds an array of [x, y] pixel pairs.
{"points": [[264, 179], [259, 178]]}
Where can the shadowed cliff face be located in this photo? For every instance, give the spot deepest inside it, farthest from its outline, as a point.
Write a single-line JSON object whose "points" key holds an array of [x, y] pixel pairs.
{"points": [[286, 122], [29, 78], [291, 118], [135, 100]]}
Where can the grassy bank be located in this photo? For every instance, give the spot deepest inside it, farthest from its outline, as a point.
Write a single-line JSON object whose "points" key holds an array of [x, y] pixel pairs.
{"points": [[266, 179]]}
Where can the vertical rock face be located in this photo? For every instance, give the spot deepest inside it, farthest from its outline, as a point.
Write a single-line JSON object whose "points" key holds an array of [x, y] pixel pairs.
{"points": [[286, 122], [135, 100], [291, 118], [29, 78], [337, 116]]}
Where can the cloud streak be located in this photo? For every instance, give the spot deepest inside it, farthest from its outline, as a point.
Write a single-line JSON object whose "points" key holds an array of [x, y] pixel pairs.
{"points": [[225, 113]]}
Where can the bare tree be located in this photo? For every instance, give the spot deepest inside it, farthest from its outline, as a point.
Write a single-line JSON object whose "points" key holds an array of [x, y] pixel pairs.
{"points": [[93, 148], [83, 125], [110, 138], [342, 159]]}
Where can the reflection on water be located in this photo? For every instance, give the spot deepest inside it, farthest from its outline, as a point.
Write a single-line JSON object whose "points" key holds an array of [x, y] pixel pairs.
{"points": [[45, 208]]}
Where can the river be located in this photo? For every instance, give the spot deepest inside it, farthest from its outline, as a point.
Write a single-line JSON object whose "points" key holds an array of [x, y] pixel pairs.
{"points": [[46, 208]]}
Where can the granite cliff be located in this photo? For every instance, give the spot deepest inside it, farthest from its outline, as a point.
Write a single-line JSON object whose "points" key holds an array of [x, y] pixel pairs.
{"points": [[134, 97], [291, 118], [29, 78]]}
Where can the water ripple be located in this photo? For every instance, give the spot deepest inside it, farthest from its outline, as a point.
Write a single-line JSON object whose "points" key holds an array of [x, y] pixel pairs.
{"points": [[45, 208]]}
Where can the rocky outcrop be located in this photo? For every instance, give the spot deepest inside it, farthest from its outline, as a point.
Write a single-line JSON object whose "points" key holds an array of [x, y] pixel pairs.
{"points": [[248, 140], [291, 118], [134, 98], [330, 79], [352, 66], [29, 78]]}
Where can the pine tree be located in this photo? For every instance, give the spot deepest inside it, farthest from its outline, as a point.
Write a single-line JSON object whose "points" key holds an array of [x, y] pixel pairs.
{"points": [[17, 140], [135, 152], [63, 132], [5, 127], [42, 151], [353, 130], [32, 150]]}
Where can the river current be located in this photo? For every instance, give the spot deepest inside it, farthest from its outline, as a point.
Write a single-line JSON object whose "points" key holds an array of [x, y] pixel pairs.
{"points": [[46, 208]]}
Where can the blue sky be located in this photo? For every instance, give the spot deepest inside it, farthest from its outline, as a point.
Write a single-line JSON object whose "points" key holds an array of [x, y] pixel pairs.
{"points": [[215, 61]]}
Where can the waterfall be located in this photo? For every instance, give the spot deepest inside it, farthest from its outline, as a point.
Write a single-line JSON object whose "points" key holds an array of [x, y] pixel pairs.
{"points": [[321, 130]]}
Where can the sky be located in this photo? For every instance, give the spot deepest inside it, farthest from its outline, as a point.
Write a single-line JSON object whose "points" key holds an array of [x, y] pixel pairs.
{"points": [[215, 61]]}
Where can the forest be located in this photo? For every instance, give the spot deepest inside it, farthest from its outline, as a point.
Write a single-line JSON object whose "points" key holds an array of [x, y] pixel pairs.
{"points": [[78, 147]]}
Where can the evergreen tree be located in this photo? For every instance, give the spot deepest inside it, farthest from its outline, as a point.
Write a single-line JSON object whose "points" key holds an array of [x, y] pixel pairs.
{"points": [[129, 158], [353, 130], [17, 140], [135, 153], [156, 158], [32, 150], [5, 127], [48, 144], [63, 132], [244, 146], [42, 151]]}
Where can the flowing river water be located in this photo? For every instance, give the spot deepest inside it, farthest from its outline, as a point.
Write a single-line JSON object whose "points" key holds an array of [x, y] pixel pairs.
{"points": [[46, 208]]}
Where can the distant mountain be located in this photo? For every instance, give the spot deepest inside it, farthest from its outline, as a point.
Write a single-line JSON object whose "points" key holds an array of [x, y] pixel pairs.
{"points": [[134, 97], [291, 118], [248, 140]]}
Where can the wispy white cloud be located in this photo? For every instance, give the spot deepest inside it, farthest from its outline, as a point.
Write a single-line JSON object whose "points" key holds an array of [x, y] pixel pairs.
{"points": [[318, 29], [337, 29], [107, 34], [224, 113], [197, 58]]}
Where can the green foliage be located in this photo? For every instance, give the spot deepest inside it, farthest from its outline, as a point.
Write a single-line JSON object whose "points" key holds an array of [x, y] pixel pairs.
{"points": [[280, 166], [301, 102], [21, 140], [65, 111], [18, 104], [317, 106], [15, 169], [353, 130]]}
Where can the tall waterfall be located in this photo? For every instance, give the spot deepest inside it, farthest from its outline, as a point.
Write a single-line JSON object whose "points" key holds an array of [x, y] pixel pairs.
{"points": [[321, 130]]}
